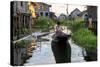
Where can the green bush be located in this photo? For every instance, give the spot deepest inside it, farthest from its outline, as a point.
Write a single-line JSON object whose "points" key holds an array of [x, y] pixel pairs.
{"points": [[81, 35], [73, 25], [65, 22], [85, 38], [43, 22], [76, 25]]}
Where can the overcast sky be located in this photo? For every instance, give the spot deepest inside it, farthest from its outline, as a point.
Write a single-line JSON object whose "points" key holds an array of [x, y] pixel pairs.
{"points": [[61, 8]]}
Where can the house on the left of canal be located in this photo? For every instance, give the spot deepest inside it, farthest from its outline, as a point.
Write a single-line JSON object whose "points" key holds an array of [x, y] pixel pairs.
{"points": [[43, 10], [21, 16]]}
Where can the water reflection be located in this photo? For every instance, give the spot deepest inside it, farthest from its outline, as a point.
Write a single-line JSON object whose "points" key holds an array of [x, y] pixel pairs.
{"points": [[44, 55], [76, 52]]}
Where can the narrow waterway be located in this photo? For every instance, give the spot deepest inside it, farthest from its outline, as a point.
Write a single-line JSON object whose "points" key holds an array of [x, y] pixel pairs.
{"points": [[44, 55], [76, 52]]}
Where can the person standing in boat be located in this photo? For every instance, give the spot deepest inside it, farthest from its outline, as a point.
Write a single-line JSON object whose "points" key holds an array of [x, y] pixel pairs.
{"points": [[58, 30], [60, 46]]}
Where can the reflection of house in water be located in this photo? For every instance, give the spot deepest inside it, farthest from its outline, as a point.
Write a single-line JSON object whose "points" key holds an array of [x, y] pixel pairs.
{"points": [[74, 13]]}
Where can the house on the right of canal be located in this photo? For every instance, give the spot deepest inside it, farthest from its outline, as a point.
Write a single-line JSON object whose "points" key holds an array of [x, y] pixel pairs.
{"points": [[92, 10], [74, 14]]}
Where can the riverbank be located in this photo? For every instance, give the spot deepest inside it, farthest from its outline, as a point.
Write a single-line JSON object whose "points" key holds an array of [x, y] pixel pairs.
{"points": [[24, 47], [83, 37], [44, 55]]}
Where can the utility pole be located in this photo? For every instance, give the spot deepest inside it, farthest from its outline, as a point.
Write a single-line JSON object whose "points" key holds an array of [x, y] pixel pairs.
{"points": [[67, 16], [67, 9]]}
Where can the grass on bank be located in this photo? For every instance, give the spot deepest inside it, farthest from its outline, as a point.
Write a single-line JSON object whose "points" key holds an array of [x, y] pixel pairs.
{"points": [[43, 23], [81, 35]]}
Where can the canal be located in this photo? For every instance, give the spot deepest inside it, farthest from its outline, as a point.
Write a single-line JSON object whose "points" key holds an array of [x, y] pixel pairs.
{"points": [[44, 55]]}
